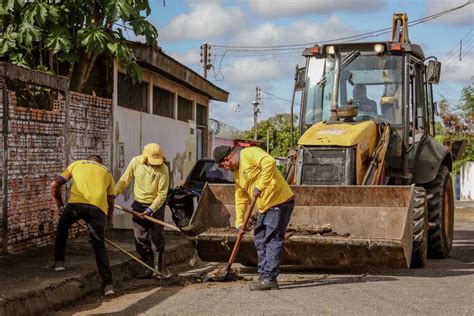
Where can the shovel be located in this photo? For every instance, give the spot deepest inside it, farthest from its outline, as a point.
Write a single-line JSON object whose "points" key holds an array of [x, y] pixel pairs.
{"points": [[221, 276], [123, 250], [151, 219]]}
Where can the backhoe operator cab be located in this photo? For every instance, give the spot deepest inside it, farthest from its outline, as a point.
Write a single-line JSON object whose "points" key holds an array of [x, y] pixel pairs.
{"points": [[386, 83]]}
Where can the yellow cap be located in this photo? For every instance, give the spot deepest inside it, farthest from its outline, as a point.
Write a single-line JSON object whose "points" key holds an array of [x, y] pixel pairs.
{"points": [[153, 154]]}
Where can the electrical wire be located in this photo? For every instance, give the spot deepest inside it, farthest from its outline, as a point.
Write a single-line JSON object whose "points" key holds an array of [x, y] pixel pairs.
{"points": [[298, 47], [280, 98], [362, 35]]}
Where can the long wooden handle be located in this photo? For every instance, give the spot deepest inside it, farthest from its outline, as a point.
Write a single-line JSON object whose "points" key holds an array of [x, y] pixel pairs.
{"points": [[132, 256], [242, 232], [127, 253], [151, 219]]}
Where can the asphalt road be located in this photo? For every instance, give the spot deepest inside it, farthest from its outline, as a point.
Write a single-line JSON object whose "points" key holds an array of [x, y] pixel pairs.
{"points": [[443, 287]]}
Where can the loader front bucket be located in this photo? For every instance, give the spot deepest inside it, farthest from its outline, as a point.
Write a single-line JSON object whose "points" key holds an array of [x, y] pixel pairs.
{"points": [[331, 227]]}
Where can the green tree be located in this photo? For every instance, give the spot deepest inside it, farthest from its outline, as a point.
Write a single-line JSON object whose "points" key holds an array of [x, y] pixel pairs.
{"points": [[278, 128], [457, 124], [67, 36]]}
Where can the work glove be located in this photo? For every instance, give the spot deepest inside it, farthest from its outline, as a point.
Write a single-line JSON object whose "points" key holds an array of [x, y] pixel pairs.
{"points": [[256, 192], [238, 229], [148, 212], [252, 221], [60, 208]]}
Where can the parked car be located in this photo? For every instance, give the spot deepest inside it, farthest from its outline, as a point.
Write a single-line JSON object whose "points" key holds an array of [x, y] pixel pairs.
{"points": [[182, 199], [205, 170]]}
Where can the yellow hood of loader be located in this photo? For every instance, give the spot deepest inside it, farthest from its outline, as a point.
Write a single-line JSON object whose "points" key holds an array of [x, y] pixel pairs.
{"points": [[339, 134]]}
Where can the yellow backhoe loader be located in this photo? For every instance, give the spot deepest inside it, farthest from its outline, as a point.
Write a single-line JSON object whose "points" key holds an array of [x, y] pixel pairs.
{"points": [[373, 187]]}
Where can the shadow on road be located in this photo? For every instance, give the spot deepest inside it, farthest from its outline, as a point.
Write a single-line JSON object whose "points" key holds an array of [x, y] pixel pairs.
{"points": [[463, 246], [148, 302], [459, 263], [332, 281]]}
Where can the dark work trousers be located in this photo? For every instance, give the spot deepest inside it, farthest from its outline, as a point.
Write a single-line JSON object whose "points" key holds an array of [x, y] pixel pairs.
{"points": [[96, 221], [149, 237], [269, 235]]}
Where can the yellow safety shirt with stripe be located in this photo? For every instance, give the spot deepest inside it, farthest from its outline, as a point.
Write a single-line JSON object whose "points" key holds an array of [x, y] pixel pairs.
{"points": [[151, 182], [92, 183], [257, 169]]}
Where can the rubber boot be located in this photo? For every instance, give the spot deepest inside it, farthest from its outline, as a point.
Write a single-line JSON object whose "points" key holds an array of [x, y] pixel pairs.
{"points": [[158, 263], [147, 273]]}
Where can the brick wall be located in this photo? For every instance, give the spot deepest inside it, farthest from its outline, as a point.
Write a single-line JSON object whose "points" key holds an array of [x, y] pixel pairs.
{"points": [[90, 127], [36, 151], [2, 84]]}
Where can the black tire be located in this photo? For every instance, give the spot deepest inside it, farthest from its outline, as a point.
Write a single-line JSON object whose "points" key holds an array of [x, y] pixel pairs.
{"points": [[440, 214], [420, 229]]}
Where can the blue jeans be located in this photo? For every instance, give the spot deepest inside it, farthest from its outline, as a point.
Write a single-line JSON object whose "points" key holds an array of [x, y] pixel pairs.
{"points": [[269, 235]]}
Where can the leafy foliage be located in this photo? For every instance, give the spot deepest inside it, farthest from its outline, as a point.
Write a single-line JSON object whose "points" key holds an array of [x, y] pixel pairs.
{"points": [[278, 128], [458, 123], [66, 37]]}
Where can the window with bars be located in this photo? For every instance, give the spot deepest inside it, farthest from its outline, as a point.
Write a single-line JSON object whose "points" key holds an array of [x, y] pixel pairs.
{"points": [[201, 115], [163, 102], [132, 96], [185, 109]]}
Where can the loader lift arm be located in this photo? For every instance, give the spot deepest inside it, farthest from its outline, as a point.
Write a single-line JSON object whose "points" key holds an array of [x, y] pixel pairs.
{"points": [[400, 28]]}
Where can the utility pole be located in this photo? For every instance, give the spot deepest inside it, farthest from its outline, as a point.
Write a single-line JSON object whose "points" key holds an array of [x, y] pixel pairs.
{"points": [[292, 106], [256, 110], [268, 140], [206, 58]]}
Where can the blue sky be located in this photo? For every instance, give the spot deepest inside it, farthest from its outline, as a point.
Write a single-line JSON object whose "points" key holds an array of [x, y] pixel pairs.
{"points": [[183, 26]]}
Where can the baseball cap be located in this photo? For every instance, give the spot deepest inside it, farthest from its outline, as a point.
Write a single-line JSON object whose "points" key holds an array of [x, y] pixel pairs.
{"points": [[153, 154], [220, 152]]}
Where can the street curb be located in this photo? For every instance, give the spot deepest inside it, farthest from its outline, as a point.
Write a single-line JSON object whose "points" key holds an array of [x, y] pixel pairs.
{"points": [[59, 294]]}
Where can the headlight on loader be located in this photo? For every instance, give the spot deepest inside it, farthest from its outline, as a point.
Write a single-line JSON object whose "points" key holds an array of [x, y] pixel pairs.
{"points": [[330, 50], [379, 48]]}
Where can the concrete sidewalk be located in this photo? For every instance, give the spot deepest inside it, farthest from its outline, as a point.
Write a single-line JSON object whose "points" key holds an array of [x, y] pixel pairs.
{"points": [[464, 204], [29, 286]]}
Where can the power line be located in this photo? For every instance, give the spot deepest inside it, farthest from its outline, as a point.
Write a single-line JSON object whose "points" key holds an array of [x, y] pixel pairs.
{"points": [[298, 47], [451, 62], [362, 35], [253, 54], [277, 97], [452, 55]]}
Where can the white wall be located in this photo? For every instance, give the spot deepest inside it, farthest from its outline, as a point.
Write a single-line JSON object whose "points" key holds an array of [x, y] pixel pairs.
{"points": [[467, 181], [134, 129]]}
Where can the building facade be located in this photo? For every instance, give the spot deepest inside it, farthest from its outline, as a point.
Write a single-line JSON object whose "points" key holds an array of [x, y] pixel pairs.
{"points": [[170, 107]]}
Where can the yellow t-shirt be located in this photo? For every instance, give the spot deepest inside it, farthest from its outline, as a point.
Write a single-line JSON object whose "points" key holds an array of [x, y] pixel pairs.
{"points": [[257, 169], [92, 183]]}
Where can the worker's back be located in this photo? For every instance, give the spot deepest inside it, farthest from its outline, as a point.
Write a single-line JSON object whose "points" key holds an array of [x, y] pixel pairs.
{"points": [[92, 183]]}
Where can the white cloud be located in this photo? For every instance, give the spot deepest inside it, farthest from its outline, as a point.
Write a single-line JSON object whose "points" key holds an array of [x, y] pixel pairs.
{"points": [[457, 70], [279, 8], [241, 75], [254, 70], [275, 64], [294, 33], [206, 20], [462, 17], [190, 57]]}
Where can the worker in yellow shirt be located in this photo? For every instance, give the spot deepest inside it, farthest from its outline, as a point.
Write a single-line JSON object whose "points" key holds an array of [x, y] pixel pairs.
{"points": [[92, 200], [257, 177], [150, 190]]}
